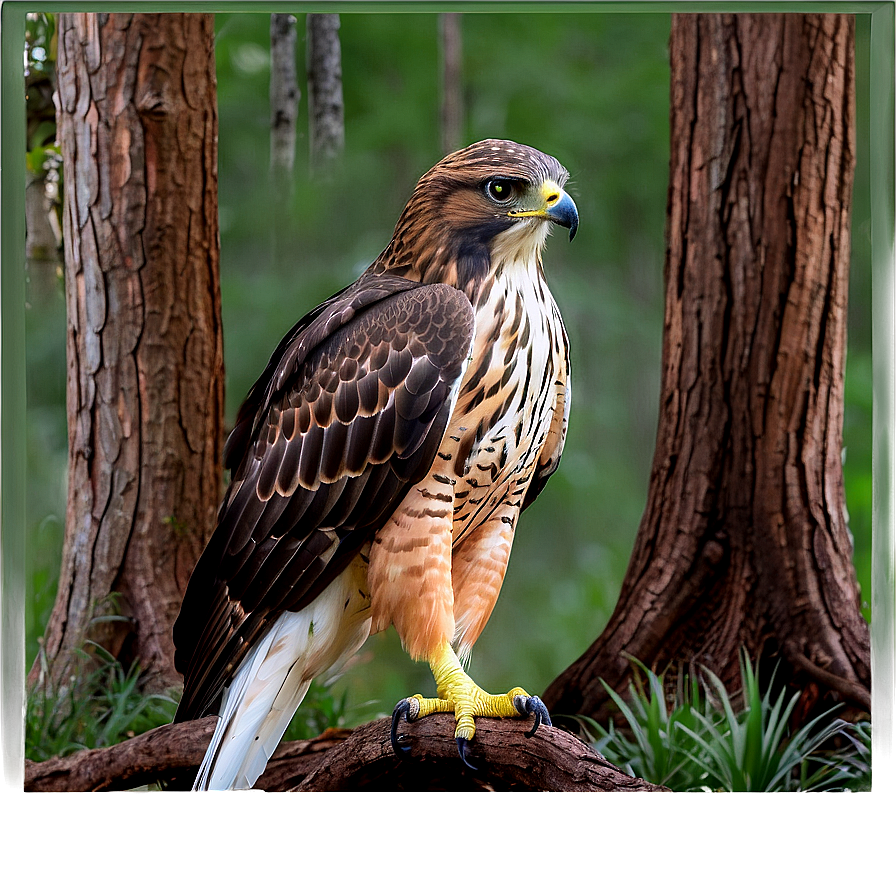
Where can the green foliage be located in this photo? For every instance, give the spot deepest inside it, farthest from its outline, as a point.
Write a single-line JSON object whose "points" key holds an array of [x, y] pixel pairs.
{"points": [[40, 43], [105, 708], [108, 707], [697, 741], [659, 751], [42, 156], [857, 418], [322, 709]]}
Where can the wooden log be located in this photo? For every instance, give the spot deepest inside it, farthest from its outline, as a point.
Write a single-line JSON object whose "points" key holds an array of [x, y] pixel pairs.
{"points": [[362, 759]]}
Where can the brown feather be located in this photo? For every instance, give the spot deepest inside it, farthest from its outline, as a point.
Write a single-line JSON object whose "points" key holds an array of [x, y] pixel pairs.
{"points": [[290, 487]]}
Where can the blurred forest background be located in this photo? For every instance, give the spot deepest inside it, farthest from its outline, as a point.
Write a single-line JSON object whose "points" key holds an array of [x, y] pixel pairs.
{"points": [[591, 88]]}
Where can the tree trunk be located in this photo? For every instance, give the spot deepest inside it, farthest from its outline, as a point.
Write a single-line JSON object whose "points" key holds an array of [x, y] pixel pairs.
{"points": [[451, 106], [325, 107], [138, 129], [744, 540], [284, 94]]}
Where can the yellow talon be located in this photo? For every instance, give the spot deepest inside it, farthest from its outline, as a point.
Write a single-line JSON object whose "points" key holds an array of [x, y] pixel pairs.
{"points": [[458, 693], [426, 706]]}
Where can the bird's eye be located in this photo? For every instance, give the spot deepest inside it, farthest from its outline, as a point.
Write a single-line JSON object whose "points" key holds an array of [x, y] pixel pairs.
{"points": [[498, 189]]}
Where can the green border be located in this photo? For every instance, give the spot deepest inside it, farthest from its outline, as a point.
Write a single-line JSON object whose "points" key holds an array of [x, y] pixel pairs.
{"points": [[883, 344], [12, 402], [873, 7], [592, 844]]}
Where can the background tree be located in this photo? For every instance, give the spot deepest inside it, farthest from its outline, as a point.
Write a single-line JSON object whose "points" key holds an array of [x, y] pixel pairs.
{"points": [[451, 95], [138, 129], [744, 542], [326, 110], [284, 94]]}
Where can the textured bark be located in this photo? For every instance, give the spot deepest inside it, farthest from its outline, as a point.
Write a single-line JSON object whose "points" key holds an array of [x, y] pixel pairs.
{"points": [[744, 540], [451, 108], [171, 749], [138, 128], [362, 759], [284, 93], [326, 114], [504, 757]]}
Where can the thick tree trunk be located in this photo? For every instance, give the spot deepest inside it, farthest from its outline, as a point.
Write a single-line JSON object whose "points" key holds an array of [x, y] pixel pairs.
{"points": [[326, 114], [362, 759], [744, 540], [138, 128]]}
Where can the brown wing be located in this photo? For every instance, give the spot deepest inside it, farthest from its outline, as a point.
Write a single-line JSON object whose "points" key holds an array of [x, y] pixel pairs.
{"points": [[347, 416]]}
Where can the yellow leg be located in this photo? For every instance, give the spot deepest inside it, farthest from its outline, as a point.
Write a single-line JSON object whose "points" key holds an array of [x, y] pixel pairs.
{"points": [[458, 693]]}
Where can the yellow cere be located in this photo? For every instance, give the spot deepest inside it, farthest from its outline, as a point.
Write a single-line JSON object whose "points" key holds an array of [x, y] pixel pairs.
{"points": [[550, 193]]}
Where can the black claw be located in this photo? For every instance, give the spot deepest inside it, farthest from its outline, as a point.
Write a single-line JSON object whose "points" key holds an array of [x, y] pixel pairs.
{"points": [[462, 744], [527, 706], [402, 707]]}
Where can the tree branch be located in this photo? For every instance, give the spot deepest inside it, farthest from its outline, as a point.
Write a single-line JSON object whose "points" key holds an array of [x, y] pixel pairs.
{"points": [[142, 760], [361, 759]]}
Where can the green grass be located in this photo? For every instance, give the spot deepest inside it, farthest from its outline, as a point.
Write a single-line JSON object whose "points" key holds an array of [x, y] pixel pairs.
{"points": [[108, 708], [695, 740], [105, 709], [322, 709]]}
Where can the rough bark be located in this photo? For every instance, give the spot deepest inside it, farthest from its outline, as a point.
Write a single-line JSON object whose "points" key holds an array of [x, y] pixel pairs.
{"points": [[451, 107], [326, 114], [284, 93], [138, 129], [169, 749], [744, 540], [362, 759]]}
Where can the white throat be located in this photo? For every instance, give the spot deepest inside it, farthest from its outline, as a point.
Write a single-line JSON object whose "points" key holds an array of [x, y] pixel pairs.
{"points": [[520, 246]]}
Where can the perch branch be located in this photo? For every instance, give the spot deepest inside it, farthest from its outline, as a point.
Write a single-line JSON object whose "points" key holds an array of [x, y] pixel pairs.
{"points": [[361, 759]]}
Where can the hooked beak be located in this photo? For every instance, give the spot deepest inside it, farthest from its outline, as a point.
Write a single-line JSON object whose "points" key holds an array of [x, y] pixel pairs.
{"points": [[564, 213], [554, 204]]}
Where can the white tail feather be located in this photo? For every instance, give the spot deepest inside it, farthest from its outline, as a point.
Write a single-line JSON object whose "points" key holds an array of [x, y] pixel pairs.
{"points": [[274, 677]]}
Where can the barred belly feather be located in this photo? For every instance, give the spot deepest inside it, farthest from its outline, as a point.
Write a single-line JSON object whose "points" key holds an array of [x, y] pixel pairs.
{"points": [[468, 506]]}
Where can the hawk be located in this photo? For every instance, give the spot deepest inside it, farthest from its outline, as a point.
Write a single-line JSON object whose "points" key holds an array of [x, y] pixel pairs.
{"points": [[381, 462]]}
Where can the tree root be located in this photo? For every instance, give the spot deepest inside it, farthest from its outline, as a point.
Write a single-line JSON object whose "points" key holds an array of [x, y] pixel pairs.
{"points": [[852, 691]]}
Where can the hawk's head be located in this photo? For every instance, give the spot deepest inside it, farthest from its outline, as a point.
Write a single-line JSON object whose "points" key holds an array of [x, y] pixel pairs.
{"points": [[494, 200]]}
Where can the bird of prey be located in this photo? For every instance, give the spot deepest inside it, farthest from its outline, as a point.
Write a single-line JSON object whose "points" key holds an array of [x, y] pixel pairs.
{"points": [[381, 462]]}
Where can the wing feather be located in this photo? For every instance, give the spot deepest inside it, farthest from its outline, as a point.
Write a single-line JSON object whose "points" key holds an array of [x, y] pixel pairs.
{"points": [[332, 466], [347, 416], [347, 401], [270, 469]]}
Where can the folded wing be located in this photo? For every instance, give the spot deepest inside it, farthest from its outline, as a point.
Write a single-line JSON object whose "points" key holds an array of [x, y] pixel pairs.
{"points": [[347, 416]]}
